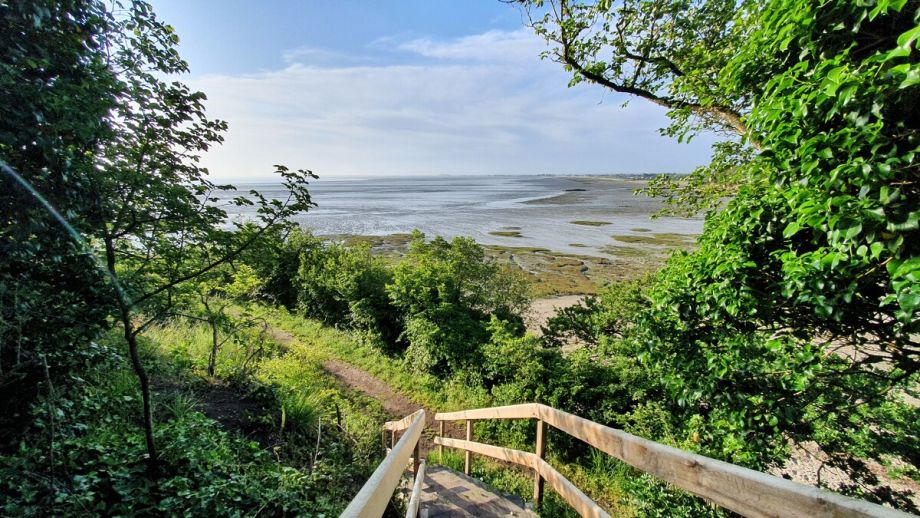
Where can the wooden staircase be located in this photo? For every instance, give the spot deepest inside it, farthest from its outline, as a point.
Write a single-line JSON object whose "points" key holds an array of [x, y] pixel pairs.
{"points": [[442, 492], [450, 494]]}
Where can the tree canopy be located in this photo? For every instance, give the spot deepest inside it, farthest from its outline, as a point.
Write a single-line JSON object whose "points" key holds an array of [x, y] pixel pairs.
{"points": [[798, 315]]}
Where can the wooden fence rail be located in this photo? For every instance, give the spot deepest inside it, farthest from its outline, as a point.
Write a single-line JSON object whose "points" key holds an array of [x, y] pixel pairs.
{"points": [[744, 491], [372, 499]]}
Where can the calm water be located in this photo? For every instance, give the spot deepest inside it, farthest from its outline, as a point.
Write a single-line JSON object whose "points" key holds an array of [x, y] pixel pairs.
{"points": [[540, 207]]}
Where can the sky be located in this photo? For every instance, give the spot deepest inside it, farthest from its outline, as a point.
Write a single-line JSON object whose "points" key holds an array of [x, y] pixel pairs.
{"points": [[404, 87]]}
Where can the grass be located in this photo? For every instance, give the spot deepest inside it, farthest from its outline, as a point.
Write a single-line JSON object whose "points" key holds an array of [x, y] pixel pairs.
{"points": [[506, 233], [209, 467], [190, 345], [319, 342], [670, 240], [590, 223], [625, 251], [305, 392], [578, 245]]}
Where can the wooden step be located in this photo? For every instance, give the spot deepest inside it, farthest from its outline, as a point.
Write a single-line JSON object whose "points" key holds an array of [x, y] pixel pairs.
{"points": [[450, 494]]}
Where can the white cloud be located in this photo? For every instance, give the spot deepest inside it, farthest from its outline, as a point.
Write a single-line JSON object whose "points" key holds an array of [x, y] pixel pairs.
{"points": [[479, 104], [315, 55], [495, 46]]}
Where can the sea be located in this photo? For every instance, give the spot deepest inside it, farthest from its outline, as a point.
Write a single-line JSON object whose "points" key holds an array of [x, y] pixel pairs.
{"points": [[538, 210]]}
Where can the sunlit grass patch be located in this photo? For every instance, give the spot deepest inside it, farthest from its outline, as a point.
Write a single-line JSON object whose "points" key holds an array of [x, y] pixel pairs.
{"points": [[667, 239], [590, 223], [625, 251]]}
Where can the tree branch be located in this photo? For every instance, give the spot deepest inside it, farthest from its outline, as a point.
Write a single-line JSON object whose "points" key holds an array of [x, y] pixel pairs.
{"points": [[227, 257]]}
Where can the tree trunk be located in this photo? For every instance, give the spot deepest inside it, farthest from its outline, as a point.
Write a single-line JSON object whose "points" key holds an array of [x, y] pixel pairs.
{"points": [[131, 338], [141, 373], [212, 360]]}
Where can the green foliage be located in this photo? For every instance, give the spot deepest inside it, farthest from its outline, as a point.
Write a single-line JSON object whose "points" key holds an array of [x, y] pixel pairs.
{"points": [[116, 151], [796, 318], [433, 308], [276, 262], [820, 252], [84, 456], [446, 293], [55, 91], [597, 319], [346, 286], [708, 187], [161, 227]]}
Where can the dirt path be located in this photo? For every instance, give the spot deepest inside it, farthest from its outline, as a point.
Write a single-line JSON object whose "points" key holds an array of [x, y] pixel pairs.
{"points": [[355, 378], [362, 381], [396, 404], [393, 402]]}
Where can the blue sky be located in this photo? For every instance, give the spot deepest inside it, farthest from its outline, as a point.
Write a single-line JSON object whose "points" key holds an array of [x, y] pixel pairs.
{"points": [[409, 87]]}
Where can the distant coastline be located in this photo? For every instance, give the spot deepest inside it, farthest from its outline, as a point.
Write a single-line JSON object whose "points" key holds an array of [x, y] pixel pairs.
{"points": [[360, 178], [532, 211]]}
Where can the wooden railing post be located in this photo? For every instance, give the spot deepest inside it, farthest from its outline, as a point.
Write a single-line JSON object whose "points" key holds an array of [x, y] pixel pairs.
{"points": [[540, 452], [467, 456], [374, 496], [441, 448], [416, 454], [392, 438]]}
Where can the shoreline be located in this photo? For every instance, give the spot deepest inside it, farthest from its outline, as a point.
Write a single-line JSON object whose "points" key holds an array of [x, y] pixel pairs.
{"points": [[553, 273], [576, 215]]}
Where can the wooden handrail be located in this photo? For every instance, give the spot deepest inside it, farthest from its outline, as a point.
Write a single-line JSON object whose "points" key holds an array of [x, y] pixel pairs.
{"points": [[578, 500], [742, 490], [372, 499], [525, 411], [402, 424], [416, 498]]}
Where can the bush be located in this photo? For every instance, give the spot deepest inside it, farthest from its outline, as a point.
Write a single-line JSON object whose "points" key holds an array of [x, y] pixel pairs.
{"points": [[446, 293], [346, 286], [276, 261]]}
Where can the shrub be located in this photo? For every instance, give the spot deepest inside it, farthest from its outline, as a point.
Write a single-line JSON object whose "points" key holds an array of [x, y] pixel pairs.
{"points": [[345, 286], [446, 293]]}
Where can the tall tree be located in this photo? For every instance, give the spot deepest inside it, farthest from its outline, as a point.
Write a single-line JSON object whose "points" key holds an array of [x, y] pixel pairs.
{"points": [[162, 227], [98, 131], [55, 94], [798, 317]]}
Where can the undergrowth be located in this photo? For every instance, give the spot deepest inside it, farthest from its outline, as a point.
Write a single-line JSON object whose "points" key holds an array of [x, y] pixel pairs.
{"points": [[84, 452]]}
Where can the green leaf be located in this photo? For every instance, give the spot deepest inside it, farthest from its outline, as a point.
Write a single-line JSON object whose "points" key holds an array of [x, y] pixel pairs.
{"points": [[909, 301], [907, 38], [912, 78]]}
